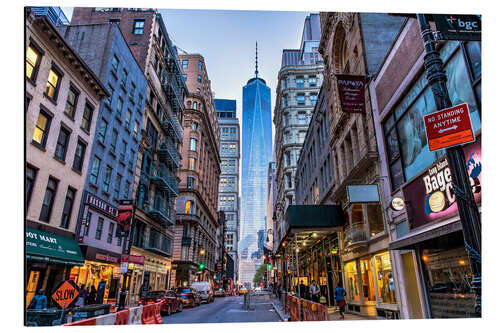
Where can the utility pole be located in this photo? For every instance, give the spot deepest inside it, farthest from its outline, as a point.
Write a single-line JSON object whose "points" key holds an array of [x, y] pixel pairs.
{"points": [[467, 208]]}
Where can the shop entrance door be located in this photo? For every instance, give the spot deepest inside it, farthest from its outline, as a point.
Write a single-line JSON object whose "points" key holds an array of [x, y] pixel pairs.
{"points": [[411, 287], [112, 290]]}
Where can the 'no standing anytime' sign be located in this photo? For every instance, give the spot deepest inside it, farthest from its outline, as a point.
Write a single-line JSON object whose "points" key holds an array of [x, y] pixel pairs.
{"points": [[448, 127]]}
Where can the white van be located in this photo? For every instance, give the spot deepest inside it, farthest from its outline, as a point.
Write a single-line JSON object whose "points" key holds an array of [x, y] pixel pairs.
{"points": [[205, 290]]}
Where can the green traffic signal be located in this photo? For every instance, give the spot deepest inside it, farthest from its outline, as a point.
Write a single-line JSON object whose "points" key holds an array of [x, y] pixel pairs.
{"points": [[202, 266], [269, 266]]}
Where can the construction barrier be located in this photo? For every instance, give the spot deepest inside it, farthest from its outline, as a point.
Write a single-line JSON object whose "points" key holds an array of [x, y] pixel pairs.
{"points": [[108, 319], [303, 310], [85, 322], [149, 315], [135, 316], [122, 317], [158, 306]]}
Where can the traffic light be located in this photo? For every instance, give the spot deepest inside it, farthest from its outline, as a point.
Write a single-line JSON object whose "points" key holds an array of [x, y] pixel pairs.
{"points": [[334, 250], [201, 266], [269, 266]]}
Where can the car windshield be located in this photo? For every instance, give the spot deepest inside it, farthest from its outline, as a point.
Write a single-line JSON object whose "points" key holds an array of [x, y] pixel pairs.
{"points": [[200, 286], [155, 294], [182, 290]]}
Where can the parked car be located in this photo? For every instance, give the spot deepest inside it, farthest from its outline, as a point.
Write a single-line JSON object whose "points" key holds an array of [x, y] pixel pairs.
{"points": [[205, 290], [170, 301], [220, 292], [242, 291], [189, 296]]}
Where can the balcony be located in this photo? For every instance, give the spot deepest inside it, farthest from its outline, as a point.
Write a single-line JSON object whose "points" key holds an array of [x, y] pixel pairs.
{"points": [[172, 126], [165, 180], [173, 87], [160, 211], [188, 218], [186, 241], [159, 244], [356, 236], [168, 154]]}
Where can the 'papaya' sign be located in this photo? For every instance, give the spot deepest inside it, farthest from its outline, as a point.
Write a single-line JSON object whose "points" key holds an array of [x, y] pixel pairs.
{"points": [[65, 294]]}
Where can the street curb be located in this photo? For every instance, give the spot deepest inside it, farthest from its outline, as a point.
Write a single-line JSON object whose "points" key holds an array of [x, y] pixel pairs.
{"points": [[282, 317]]}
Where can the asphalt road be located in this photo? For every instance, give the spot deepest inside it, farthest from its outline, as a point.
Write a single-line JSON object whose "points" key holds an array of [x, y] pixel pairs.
{"points": [[223, 310]]}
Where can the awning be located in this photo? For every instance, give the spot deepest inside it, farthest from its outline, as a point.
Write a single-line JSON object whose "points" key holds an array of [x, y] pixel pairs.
{"points": [[314, 216], [46, 247], [410, 241]]}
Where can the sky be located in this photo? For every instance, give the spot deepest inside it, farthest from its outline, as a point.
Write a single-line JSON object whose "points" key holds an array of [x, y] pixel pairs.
{"points": [[226, 39]]}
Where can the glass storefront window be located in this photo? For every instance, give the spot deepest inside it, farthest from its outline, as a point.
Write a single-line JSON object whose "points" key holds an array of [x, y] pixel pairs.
{"points": [[352, 280], [385, 280], [374, 213], [366, 280]]}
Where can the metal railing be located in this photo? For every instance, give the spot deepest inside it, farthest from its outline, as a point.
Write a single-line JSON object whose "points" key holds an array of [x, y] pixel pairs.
{"points": [[168, 153], [355, 234]]}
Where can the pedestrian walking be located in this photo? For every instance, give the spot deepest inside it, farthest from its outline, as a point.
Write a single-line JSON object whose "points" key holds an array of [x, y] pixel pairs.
{"points": [[92, 295], [339, 298], [314, 291], [302, 290], [82, 296], [39, 301]]}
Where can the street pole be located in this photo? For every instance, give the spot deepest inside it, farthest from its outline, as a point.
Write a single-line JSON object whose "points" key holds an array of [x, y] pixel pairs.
{"points": [[467, 208]]}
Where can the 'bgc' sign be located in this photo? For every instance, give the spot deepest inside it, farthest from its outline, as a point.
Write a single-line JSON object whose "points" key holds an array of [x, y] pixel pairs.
{"points": [[430, 197], [459, 27]]}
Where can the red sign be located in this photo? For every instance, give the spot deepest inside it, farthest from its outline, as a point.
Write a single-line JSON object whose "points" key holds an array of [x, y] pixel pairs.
{"points": [[65, 294], [430, 196], [133, 259], [105, 257], [352, 93], [125, 210], [448, 127]]}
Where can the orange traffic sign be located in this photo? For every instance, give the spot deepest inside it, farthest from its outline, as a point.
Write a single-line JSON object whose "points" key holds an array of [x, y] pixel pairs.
{"points": [[65, 294]]}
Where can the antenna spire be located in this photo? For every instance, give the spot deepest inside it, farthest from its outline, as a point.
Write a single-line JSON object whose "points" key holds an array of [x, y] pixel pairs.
{"points": [[256, 61]]}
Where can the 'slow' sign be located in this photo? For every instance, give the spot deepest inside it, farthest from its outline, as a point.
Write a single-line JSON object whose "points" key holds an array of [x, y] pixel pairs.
{"points": [[65, 294], [448, 127]]}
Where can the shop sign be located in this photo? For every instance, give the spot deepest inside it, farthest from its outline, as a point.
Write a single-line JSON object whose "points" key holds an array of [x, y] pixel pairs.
{"points": [[133, 259], [430, 196], [106, 257], [448, 127], [352, 93], [65, 294], [101, 205], [362, 193], [125, 210], [458, 27]]}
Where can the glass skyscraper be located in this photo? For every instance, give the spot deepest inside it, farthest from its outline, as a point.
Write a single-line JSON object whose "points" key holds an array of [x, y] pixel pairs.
{"points": [[256, 155]]}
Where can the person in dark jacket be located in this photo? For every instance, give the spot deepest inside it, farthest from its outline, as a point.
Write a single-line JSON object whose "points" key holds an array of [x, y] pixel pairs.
{"points": [[39, 301], [92, 295]]}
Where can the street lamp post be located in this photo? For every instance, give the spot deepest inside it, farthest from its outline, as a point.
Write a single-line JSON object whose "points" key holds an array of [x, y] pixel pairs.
{"points": [[467, 208]]}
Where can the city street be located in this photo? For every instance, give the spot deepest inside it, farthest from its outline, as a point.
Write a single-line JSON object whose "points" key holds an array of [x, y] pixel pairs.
{"points": [[223, 310]]}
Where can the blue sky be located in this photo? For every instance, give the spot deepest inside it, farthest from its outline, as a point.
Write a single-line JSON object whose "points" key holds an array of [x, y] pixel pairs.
{"points": [[226, 39]]}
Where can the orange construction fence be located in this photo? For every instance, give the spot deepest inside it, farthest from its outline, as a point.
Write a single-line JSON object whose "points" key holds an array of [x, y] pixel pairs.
{"points": [[304, 310]]}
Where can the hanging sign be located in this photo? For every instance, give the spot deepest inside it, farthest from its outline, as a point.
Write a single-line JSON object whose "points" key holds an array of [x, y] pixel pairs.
{"points": [[449, 127], [125, 210], [458, 27], [352, 93]]}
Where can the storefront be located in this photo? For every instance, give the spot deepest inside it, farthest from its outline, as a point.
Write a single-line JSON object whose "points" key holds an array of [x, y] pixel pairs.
{"points": [[436, 239], [49, 259], [153, 275], [102, 271]]}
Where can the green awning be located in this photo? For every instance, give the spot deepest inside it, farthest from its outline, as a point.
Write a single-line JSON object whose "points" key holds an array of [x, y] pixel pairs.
{"points": [[314, 216], [50, 248]]}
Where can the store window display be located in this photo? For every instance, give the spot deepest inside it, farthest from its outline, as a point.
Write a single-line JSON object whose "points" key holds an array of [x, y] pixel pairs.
{"points": [[352, 280], [103, 277], [366, 279], [385, 279]]}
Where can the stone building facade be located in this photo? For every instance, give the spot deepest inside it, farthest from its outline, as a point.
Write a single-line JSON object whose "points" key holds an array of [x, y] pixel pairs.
{"points": [[62, 103], [156, 185], [356, 44], [299, 81], [197, 225]]}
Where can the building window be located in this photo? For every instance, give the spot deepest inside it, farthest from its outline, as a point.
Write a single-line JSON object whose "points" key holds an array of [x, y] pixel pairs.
{"points": [[123, 82], [313, 98], [42, 129], [131, 159], [312, 81], [185, 77], [114, 138], [138, 27], [192, 144], [87, 224], [48, 200], [103, 127], [136, 129], [301, 100], [118, 182], [155, 63], [287, 158], [87, 118], [71, 102], [189, 207], [190, 182], [33, 57], [126, 190], [79, 156], [300, 82], [114, 21], [122, 151], [119, 106], [114, 64], [191, 163], [194, 126], [132, 92], [199, 78], [94, 173], [30, 182], [200, 65], [185, 64], [53, 83], [110, 232], [107, 179], [351, 283], [62, 144], [128, 115], [68, 207], [385, 280], [98, 230]]}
